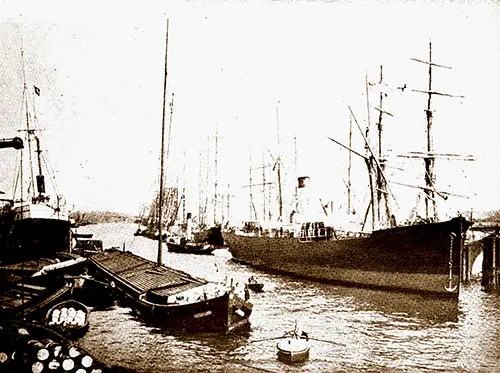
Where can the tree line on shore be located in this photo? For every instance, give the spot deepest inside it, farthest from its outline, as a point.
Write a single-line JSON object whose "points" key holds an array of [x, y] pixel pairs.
{"points": [[99, 217]]}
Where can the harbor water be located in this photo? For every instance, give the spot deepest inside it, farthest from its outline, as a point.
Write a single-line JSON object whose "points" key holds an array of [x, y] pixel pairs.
{"points": [[353, 329]]}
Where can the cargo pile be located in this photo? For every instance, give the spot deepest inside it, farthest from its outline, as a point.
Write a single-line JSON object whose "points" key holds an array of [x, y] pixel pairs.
{"points": [[22, 351], [67, 316]]}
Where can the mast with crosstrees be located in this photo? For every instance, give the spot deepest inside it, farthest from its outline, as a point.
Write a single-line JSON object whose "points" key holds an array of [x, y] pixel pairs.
{"points": [[430, 178]]}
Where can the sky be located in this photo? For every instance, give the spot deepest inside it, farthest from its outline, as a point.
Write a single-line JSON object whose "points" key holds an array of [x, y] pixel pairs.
{"points": [[264, 78]]}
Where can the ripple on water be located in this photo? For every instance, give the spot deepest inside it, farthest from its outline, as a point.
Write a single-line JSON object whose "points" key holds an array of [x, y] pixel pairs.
{"points": [[361, 330]]}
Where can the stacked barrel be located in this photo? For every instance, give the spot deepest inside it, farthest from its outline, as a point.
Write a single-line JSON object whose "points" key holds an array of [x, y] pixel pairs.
{"points": [[22, 352], [67, 317]]}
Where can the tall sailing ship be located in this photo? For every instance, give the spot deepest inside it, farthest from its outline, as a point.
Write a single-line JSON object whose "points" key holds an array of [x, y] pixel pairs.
{"points": [[163, 215], [169, 211], [423, 256]]}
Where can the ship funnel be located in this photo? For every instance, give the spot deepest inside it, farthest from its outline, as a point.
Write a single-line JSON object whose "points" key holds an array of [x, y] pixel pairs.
{"points": [[189, 226], [40, 183], [303, 194]]}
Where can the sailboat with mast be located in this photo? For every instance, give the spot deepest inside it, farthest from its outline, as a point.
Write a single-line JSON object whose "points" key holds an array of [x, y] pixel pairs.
{"points": [[168, 297], [202, 241], [33, 222], [422, 256], [164, 208]]}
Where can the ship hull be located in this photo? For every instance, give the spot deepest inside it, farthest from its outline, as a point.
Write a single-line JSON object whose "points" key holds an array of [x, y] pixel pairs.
{"points": [[151, 290], [198, 249], [33, 238], [410, 259], [210, 316]]}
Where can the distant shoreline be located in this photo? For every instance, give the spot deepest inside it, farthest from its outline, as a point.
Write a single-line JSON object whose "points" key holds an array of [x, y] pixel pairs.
{"points": [[98, 217]]}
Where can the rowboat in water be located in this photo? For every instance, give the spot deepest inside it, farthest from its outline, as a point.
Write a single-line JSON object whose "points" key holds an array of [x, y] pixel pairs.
{"points": [[254, 284], [70, 318]]}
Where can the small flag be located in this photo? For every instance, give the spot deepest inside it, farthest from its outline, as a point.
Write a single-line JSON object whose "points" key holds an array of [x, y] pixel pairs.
{"points": [[37, 90]]}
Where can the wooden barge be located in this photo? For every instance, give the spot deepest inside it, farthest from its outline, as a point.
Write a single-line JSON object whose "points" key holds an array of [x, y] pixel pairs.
{"points": [[171, 298]]}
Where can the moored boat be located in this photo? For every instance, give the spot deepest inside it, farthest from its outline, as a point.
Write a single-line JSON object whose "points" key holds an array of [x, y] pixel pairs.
{"points": [[423, 255], [165, 296], [293, 348], [203, 243], [70, 318], [255, 285], [411, 259], [171, 298], [34, 220], [180, 245]]}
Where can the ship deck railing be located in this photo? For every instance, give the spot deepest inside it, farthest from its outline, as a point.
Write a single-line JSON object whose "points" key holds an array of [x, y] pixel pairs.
{"points": [[321, 234], [313, 234]]}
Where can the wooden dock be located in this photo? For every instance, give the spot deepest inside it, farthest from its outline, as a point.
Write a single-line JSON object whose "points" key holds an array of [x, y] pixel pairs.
{"points": [[491, 261]]}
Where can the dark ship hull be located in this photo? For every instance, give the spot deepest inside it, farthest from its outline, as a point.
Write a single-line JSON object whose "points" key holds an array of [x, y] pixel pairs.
{"points": [[190, 248], [159, 295], [33, 238], [411, 258]]}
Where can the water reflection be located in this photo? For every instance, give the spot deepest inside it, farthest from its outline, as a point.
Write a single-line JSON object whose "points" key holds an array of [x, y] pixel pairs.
{"points": [[479, 330]]}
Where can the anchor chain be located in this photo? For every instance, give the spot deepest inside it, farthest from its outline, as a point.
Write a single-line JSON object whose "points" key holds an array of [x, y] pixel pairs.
{"points": [[449, 288]]}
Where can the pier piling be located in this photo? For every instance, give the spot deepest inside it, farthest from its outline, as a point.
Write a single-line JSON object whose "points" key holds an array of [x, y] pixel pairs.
{"points": [[491, 257]]}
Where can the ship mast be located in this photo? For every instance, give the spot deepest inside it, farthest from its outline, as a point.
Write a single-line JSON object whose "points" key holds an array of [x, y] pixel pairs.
{"points": [[430, 177], [369, 159], [296, 195], [28, 130], [160, 196], [200, 195], [183, 197], [381, 184], [215, 181], [429, 161], [264, 186], [250, 181], [349, 168], [228, 201], [40, 178], [280, 198], [207, 179]]}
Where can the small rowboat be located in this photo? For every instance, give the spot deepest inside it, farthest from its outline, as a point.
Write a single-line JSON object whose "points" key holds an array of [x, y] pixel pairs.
{"points": [[254, 285], [69, 317], [293, 348]]}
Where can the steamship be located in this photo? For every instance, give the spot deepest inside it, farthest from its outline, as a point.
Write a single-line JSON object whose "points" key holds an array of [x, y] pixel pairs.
{"points": [[423, 256], [202, 243], [34, 223]]}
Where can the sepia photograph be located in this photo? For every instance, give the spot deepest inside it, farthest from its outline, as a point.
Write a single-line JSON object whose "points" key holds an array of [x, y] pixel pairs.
{"points": [[249, 186]]}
